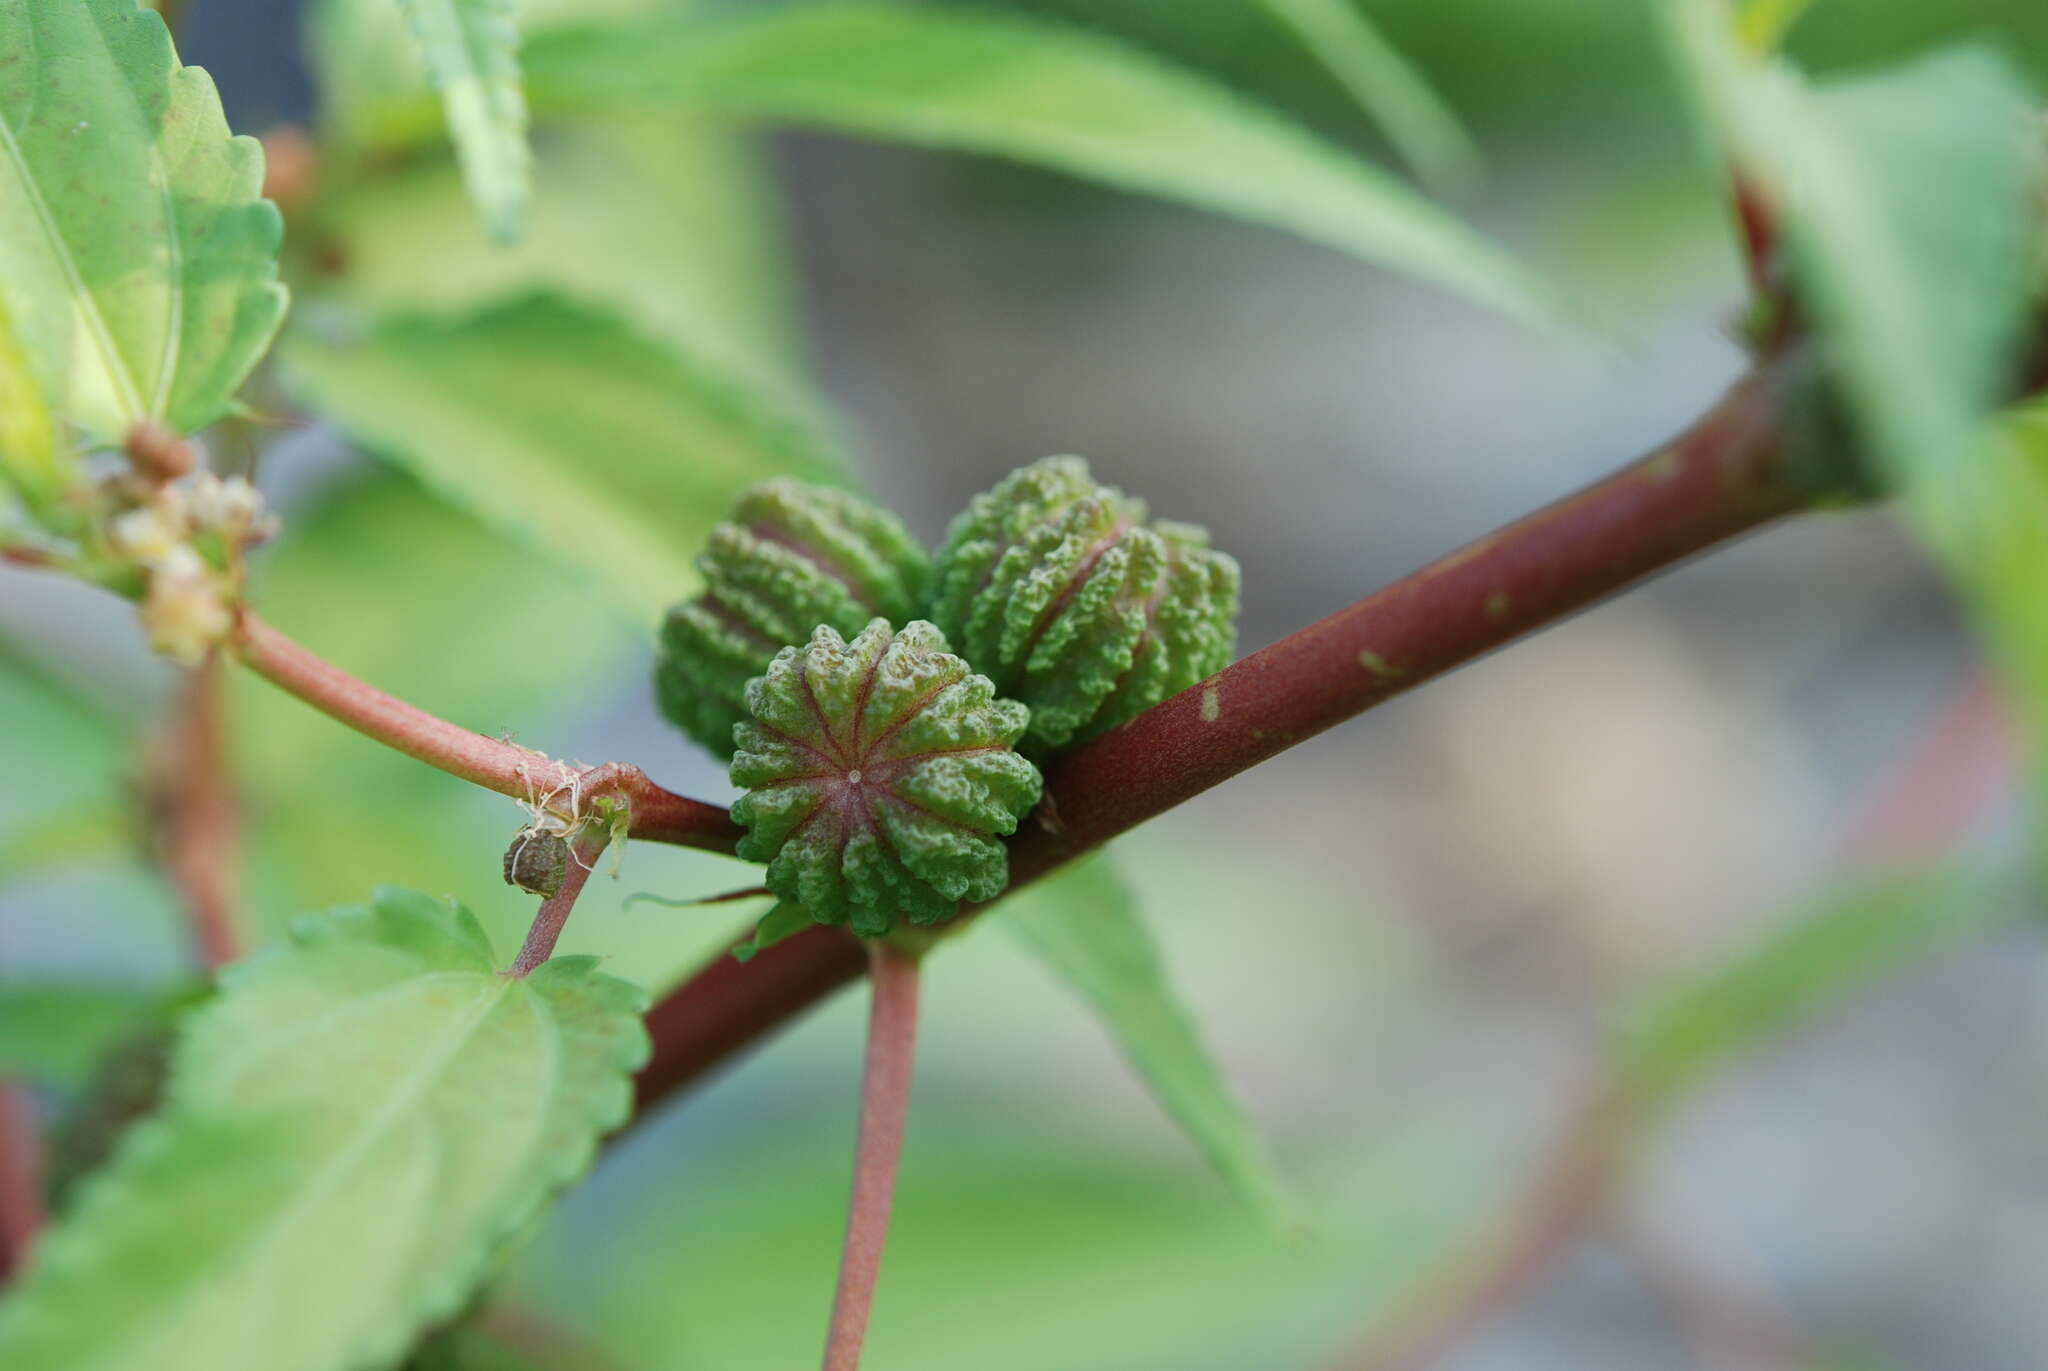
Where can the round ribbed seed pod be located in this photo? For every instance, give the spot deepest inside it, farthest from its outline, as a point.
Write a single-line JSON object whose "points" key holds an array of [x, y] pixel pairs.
{"points": [[791, 557], [1057, 588], [880, 775], [1190, 626]]}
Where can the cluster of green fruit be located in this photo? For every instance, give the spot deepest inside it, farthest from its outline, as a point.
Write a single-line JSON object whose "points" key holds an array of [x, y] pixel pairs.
{"points": [[881, 768]]}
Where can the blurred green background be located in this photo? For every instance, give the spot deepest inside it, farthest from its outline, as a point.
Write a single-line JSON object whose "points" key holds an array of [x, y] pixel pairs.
{"points": [[1411, 942]]}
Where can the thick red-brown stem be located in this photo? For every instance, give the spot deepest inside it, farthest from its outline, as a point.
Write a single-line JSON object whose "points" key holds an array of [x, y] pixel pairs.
{"points": [[884, 1105], [1723, 477], [197, 823], [21, 1177], [547, 926], [659, 815]]}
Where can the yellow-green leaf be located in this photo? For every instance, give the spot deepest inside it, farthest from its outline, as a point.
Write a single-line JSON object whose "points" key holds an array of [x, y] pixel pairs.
{"points": [[1904, 199], [137, 259], [355, 1126], [1384, 84], [611, 451], [1086, 926], [1033, 92], [1843, 943], [471, 51]]}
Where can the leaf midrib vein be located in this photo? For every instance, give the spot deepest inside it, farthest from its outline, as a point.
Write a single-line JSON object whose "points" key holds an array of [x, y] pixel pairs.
{"points": [[366, 1136]]}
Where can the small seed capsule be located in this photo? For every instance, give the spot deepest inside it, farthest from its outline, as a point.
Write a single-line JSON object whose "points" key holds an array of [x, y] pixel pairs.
{"points": [[1059, 589], [792, 556], [880, 775]]}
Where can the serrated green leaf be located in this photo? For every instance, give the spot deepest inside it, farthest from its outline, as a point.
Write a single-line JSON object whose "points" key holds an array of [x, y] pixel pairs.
{"points": [[1086, 926], [355, 1126], [1904, 202], [564, 426], [137, 259], [1032, 92], [471, 50], [1818, 956], [1384, 84]]}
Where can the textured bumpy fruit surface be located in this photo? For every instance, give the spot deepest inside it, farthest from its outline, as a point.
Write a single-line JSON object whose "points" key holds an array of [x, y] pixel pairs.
{"points": [[791, 557], [880, 774], [1059, 590]]}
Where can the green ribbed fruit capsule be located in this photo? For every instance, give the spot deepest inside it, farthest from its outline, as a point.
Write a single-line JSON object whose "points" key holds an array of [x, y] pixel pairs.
{"points": [[880, 774], [1059, 590], [791, 557]]}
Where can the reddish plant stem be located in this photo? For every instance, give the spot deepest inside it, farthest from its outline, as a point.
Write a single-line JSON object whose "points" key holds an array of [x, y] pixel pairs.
{"points": [[21, 1178], [539, 1339], [1939, 795], [1966, 761], [1723, 477], [729, 1005], [1755, 224], [659, 815], [884, 1106], [1482, 1277], [198, 827], [547, 926]]}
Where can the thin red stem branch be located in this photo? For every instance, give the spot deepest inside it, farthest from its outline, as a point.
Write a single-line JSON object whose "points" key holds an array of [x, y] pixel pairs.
{"points": [[658, 815], [1481, 1278], [547, 926], [21, 1178], [198, 828], [1724, 476], [1753, 221], [884, 1106]]}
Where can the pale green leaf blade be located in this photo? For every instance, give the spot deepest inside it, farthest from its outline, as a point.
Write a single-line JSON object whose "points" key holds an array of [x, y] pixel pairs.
{"points": [[34, 465], [611, 451], [1844, 942], [355, 1126], [662, 221], [376, 95], [1385, 85], [1031, 92], [1086, 926], [137, 258], [471, 51], [1903, 199]]}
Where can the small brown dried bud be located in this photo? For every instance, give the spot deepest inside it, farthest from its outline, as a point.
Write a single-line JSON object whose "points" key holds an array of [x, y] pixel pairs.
{"points": [[158, 455], [537, 862]]}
